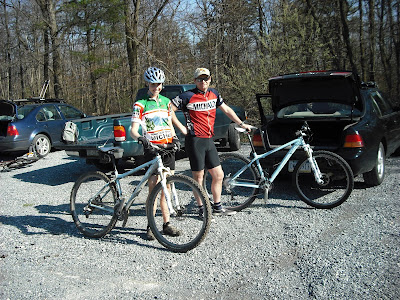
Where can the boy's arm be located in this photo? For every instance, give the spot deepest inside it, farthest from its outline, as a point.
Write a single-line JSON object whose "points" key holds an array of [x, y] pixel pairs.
{"points": [[135, 130], [176, 122]]}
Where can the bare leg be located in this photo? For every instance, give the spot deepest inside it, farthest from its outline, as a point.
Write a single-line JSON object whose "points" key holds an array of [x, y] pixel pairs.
{"points": [[217, 175], [153, 180]]}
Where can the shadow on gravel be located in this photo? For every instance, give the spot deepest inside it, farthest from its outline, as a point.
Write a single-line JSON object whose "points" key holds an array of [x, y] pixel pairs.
{"points": [[40, 224], [45, 223], [56, 175]]}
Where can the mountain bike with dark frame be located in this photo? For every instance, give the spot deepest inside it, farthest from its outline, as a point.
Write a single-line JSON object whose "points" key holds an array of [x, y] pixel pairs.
{"points": [[322, 179], [97, 202]]}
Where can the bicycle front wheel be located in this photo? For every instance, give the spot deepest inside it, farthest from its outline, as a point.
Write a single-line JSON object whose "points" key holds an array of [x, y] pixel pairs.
{"points": [[337, 176], [235, 194], [193, 224], [92, 204]]}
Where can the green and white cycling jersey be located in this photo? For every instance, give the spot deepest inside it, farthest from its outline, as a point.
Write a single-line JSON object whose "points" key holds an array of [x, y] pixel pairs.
{"points": [[153, 115]]}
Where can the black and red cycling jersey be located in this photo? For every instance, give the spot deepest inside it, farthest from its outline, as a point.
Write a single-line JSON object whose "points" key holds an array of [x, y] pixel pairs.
{"points": [[199, 109]]}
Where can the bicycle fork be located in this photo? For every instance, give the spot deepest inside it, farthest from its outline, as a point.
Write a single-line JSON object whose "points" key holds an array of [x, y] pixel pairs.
{"points": [[168, 194], [313, 163]]}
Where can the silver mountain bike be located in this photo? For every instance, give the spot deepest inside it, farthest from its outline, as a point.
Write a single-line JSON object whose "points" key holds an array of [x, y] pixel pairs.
{"points": [[322, 179], [97, 202]]}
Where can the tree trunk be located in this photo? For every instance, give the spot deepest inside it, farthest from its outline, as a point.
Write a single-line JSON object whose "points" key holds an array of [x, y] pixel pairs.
{"points": [[371, 15], [343, 5], [362, 51], [131, 32], [46, 55], [9, 91], [49, 13], [55, 42]]}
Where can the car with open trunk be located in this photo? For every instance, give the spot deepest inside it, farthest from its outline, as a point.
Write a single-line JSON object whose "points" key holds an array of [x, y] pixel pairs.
{"points": [[346, 116]]}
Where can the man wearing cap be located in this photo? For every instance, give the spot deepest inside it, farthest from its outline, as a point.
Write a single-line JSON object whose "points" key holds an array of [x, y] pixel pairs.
{"points": [[199, 108]]}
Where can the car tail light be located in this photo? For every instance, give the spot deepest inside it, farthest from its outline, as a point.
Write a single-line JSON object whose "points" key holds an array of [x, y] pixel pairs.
{"points": [[12, 130], [119, 133], [257, 140], [353, 141]]}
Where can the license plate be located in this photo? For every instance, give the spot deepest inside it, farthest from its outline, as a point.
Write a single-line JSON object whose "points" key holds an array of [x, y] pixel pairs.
{"points": [[306, 167]]}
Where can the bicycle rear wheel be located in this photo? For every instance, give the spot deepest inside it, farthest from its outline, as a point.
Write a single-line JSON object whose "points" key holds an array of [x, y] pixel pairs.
{"points": [[235, 197], [337, 176], [92, 204], [193, 225]]}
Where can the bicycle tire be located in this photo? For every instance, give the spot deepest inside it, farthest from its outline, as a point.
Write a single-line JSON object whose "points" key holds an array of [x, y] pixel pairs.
{"points": [[235, 198], [93, 217], [193, 227], [338, 181]]}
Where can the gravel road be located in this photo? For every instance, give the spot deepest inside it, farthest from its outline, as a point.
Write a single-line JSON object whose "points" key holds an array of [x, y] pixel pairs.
{"points": [[281, 249]]}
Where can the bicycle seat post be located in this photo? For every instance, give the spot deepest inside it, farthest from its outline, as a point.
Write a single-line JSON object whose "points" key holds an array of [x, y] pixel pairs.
{"points": [[253, 150], [114, 163]]}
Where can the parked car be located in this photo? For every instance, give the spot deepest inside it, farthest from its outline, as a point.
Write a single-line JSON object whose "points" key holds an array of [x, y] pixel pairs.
{"points": [[350, 118], [37, 122]]}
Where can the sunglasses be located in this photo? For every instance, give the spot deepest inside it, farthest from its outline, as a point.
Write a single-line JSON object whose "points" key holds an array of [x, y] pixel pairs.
{"points": [[203, 79]]}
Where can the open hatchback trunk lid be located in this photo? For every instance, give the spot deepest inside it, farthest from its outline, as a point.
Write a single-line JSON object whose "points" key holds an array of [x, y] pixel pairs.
{"points": [[329, 101], [325, 86]]}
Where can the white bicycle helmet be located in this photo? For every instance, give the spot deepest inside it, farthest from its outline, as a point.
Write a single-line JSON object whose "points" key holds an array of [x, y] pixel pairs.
{"points": [[154, 75]]}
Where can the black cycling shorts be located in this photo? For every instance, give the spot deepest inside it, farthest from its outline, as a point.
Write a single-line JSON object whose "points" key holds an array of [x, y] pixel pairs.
{"points": [[201, 152]]}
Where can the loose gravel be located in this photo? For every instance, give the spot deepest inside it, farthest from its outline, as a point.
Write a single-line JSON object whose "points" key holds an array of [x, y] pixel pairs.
{"points": [[279, 249]]}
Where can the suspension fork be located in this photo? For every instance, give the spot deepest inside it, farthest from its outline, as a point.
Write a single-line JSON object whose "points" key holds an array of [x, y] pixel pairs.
{"points": [[313, 163], [163, 173]]}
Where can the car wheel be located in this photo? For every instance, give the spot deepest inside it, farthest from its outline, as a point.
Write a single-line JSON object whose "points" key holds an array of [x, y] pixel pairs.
{"points": [[377, 174], [233, 138], [42, 145]]}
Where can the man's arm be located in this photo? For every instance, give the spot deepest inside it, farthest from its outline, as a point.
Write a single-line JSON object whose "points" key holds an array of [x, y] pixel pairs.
{"points": [[232, 115]]}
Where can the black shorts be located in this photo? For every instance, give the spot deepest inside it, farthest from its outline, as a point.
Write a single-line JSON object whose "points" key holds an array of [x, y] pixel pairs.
{"points": [[201, 152]]}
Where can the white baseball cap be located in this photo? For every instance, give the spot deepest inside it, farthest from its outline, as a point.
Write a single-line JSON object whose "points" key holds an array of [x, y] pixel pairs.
{"points": [[201, 71]]}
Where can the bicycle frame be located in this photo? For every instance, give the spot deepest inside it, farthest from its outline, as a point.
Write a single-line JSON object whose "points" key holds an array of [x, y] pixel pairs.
{"points": [[154, 164], [294, 144]]}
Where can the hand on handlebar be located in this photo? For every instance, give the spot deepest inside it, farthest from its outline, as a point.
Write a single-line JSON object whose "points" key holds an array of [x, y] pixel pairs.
{"points": [[248, 127], [145, 142], [176, 143]]}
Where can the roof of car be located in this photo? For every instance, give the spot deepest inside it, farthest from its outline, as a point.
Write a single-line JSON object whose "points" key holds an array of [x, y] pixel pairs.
{"points": [[310, 74]]}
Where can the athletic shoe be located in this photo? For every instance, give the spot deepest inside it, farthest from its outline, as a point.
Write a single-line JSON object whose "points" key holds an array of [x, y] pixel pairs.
{"points": [[170, 230], [149, 234], [220, 211]]}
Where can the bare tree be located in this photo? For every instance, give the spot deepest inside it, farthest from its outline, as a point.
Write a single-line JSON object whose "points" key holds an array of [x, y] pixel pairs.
{"points": [[371, 20], [48, 8], [9, 91], [133, 38], [343, 6]]}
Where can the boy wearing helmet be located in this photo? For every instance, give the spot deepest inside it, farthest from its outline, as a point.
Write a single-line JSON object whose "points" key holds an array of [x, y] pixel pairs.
{"points": [[153, 114]]}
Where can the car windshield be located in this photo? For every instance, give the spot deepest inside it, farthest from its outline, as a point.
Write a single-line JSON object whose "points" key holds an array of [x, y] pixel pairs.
{"points": [[24, 110], [318, 109]]}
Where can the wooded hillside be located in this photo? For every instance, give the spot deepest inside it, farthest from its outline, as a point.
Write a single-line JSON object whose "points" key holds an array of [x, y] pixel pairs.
{"points": [[95, 51]]}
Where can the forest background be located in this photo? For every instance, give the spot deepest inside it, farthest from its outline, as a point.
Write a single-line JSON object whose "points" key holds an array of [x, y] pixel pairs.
{"points": [[94, 52]]}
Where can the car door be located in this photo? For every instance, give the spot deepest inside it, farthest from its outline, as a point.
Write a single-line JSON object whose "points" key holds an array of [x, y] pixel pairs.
{"points": [[53, 123], [389, 119]]}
